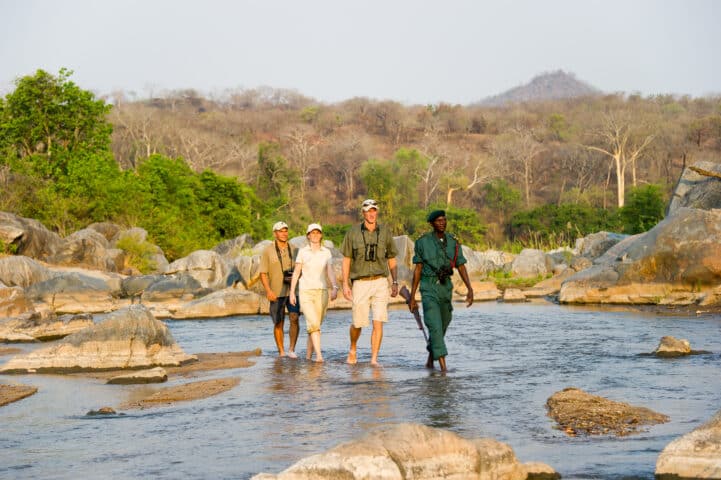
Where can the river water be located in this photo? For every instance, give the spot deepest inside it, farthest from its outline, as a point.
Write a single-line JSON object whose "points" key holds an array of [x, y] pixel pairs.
{"points": [[505, 361]]}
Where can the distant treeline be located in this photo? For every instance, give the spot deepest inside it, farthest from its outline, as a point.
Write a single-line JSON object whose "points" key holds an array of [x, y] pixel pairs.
{"points": [[194, 171]]}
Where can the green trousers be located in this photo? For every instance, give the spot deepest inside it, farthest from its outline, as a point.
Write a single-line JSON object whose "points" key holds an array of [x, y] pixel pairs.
{"points": [[437, 312]]}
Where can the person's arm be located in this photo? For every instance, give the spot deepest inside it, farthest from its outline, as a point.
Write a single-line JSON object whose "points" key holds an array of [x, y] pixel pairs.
{"points": [[269, 294], [412, 305], [347, 292], [393, 267], [331, 279], [294, 282], [467, 281]]}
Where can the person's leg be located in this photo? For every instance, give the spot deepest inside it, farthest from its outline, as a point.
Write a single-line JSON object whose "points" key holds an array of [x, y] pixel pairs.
{"points": [[277, 314], [442, 364], [309, 349], [315, 339], [360, 313], [379, 303], [310, 304], [293, 330], [432, 317], [376, 339], [446, 310]]}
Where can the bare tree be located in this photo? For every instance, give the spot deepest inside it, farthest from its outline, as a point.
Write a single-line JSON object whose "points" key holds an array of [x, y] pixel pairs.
{"points": [[623, 145], [518, 151]]}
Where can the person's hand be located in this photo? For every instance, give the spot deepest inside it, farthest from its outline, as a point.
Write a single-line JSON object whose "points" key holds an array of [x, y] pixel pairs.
{"points": [[333, 293], [412, 305], [292, 299], [469, 298], [347, 292], [272, 297], [394, 290]]}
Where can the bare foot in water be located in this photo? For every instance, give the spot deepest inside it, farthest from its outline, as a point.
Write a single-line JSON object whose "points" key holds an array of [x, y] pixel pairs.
{"points": [[351, 358], [429, 362], [318, 360], [375, 364]]}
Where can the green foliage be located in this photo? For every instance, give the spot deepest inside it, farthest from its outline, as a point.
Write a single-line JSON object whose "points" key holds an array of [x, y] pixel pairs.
{"points": [[501, 197], [559, 128], [335, 232], [141, 254], [643, 209], [464, 223], [7, 248], [310, 114], [48, 119], [504, 280], [560, 225], [276, 179]]}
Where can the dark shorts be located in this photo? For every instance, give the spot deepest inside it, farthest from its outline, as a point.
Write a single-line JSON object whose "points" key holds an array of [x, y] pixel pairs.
{"points": [[278, 308]]}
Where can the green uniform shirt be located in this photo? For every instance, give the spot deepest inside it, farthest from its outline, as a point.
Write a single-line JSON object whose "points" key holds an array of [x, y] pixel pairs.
{"points": [[429, 250], [358, 241]]}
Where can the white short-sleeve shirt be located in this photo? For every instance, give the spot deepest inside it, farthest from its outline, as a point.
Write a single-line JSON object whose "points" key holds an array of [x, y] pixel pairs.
{"points": [[314, 264]]}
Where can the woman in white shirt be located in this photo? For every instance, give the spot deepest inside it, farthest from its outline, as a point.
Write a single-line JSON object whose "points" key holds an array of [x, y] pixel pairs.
{"points": [[315, 265]]}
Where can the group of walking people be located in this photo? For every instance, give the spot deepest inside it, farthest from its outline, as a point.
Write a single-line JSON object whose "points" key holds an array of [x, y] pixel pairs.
{"points": [[304, 281]]}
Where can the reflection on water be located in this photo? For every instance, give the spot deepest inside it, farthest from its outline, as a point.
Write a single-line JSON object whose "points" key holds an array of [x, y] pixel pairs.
{"points": [[505, 361]]}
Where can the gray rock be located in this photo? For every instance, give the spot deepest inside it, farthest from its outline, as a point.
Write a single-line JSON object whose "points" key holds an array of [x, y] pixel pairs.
{"points": [[596, 244], [173, 287], [14, 303], [86, 248], [129, 338], [695, 455], [696, 190], [223, 303], [233, 248], [529, 263], [30, 237], [22, 271], [73, 292], [43, 327], [206, 266]]}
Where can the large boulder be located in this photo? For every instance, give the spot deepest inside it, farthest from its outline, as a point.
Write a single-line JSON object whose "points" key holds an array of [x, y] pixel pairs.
{"points": [[223, 303], [22, 271], [409, 451], [174, 287], [42, 327], [680, 255], [695, 455], [206, 266], [87, 248], [699, 187], [234, 247], [530, 263], [129, 338], [29, 236], [73, 292], [596, 244]]}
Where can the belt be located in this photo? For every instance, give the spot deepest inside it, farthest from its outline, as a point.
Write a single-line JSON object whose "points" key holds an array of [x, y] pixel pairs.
{"points": [[371, 277]]}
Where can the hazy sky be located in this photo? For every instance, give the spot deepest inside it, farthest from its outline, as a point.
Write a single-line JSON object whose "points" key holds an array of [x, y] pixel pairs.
{"points": [[412, 51]]}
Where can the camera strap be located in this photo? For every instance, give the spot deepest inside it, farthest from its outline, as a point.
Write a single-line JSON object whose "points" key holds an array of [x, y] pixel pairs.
{"points": [[280, 257]]}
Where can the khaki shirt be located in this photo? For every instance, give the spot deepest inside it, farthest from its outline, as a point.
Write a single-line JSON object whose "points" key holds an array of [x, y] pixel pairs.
{"points": [[355, 245], [270, 265]]}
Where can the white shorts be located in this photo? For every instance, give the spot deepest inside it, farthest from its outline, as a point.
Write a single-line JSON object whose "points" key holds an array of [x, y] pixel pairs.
{"points": [[369, 294]]}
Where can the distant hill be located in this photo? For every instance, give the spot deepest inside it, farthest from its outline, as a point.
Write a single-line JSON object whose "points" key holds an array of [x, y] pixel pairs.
{"points": [[547, 86]]}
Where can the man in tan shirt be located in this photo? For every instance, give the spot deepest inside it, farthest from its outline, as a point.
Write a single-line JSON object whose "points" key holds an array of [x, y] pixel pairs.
{"points": [[276, 268]]}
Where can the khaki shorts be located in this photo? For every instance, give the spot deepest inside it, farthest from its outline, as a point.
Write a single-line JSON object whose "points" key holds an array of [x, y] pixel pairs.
{"points": [[369, 294], [314, 304]]}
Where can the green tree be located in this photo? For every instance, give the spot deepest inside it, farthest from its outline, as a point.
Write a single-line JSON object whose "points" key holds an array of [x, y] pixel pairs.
{"points": [[644, 208], [276, 178]]}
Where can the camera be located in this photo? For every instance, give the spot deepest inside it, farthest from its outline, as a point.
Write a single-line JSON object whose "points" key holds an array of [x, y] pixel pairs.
{"points": [[370, 253], [287, 276], [444, 273]]}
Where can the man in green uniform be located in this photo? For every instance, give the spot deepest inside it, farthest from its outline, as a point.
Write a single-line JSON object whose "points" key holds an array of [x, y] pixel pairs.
{"points": [[436, 255]]}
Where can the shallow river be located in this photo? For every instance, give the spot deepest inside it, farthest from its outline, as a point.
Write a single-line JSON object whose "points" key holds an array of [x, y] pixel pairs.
{"points": [[505, 361]]}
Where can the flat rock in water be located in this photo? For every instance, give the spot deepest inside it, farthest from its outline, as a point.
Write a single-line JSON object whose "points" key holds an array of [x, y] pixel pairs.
{"points": [[185, 392], [580, 413], [152, 375], [13, 393], [129, 338]]}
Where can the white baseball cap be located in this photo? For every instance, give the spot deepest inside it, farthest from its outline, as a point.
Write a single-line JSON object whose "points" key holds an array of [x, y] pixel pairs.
{"points": [[279, 226], [313, 226], [368, 204]]}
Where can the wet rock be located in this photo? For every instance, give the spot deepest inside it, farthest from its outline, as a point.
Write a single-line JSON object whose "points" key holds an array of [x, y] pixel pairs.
{"points": [[152, 375], [43, 327], [695, 455], [672, 347], [129, 338], [101, 411], [13, 393], [223, 303], [580, 413], [186, 392], [408, 451]]}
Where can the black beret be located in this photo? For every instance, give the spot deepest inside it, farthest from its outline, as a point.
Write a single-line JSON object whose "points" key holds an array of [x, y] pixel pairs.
{"points": [[435, 214]]}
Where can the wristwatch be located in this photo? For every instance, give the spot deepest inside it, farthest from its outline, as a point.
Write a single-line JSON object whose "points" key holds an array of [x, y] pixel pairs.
{"points": [[395, 282]]}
